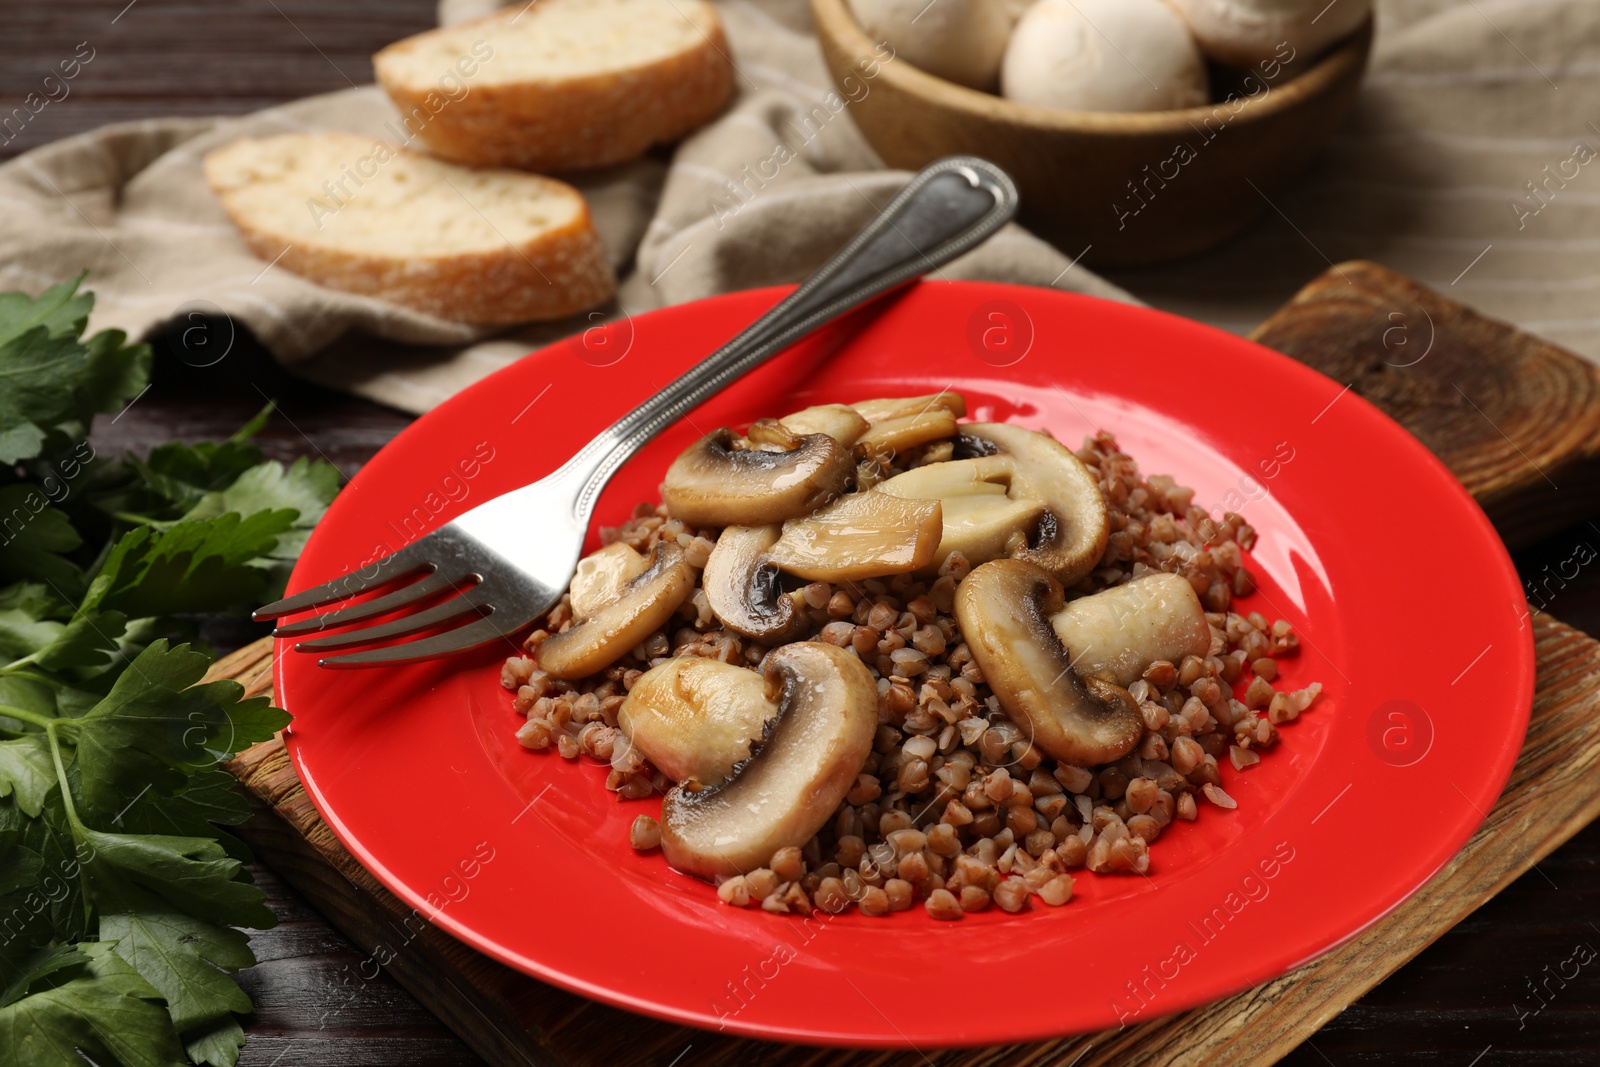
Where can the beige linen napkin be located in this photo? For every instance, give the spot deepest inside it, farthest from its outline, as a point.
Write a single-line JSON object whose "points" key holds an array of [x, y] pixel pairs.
{"points": [[130, 203], [1460, 111]]}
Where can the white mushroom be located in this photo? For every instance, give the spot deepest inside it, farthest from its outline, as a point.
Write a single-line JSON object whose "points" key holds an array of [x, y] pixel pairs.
{"points": [[958, 40], [983, 519], [600, 577], [715, 484], [696, 719], [899, 407], [642, 605], [839, 421], [891, 437], [1070, 534], [814, 749], [741, 585], [1119, 632], [1005, 610], [1245, 33], [1103, 55], [861, 535]]}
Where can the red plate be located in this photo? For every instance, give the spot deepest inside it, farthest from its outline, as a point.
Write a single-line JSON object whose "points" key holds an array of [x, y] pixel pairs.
{"points": [[1410, 614]]}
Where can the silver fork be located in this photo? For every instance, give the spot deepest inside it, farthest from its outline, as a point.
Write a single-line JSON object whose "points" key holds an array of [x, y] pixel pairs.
{"points": [[505, 570]]}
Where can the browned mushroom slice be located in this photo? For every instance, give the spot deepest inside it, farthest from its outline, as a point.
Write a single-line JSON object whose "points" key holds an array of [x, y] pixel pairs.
{"points": [[696, 719], [643, 605], [601, 576], [1121, 631], [1071, 534], [813, 751], [772, 435], [982, 520], [741, 585], [898, 407], [1004, 608], [839, 421], [894, 436], [861, 535], [714, 484]]}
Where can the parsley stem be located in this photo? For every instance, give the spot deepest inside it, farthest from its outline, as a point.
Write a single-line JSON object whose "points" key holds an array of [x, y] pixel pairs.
{"points": [[136, 520], [17, 664], [31, 717], [61, 775]]}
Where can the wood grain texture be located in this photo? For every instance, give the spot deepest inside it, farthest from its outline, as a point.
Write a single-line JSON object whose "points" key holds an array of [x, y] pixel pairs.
{"points": [[508, 1018], [1516, 418], [185, 57]]}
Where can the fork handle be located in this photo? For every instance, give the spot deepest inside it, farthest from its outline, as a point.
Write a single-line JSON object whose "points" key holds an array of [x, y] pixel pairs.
{"points": [[946, 209]]}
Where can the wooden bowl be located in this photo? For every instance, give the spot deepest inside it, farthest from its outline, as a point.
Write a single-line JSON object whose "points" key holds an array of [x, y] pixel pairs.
{"points": [[1136, 187]]}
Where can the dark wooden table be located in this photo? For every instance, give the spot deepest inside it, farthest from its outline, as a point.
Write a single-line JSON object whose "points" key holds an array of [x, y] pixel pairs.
{"points": [[1462, 1002]]}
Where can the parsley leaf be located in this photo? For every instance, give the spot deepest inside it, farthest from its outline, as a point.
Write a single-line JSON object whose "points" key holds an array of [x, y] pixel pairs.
{"points": [[36, 376], [120, 890], [60, 310], [157, 726], [187, 960], [49, 379], [305, 486], [193, 873], [26, 770], [190, 567], [106, 1011], [209, 801]]}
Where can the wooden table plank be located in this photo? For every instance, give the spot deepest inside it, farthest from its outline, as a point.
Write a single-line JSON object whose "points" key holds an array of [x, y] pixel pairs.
{"points": [[170, 57]]}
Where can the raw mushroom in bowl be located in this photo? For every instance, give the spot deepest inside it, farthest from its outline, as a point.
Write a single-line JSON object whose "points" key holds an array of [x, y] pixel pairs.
{"points": [[958, 40], [1103, 55], [1243, 33]]}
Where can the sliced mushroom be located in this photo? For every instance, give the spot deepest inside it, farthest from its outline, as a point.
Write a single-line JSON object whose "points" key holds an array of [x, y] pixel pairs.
{"points": [[813, 751], [741, 585], [696, 719], [1071, 533], [839, 421], [893, 436], [714, 484], [898, 407], [772, 435], [1121, 631], [983, 520], [860, 535], [643, 605], [601, 576], [1004, 608]]}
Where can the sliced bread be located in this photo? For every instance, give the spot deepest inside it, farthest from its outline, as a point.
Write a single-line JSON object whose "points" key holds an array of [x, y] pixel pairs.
{"points": [[351, 213], [561, 84]]}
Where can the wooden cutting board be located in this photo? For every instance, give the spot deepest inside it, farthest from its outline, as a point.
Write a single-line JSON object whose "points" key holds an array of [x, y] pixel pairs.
{"points": [[1517, 419]]}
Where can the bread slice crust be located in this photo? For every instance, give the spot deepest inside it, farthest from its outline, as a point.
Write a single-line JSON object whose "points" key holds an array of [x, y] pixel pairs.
{"points": [[567, 121], [505, 275]]}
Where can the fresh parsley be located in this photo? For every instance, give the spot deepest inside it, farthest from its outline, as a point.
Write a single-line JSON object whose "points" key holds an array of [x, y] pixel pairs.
{"points": [[122, 894]]}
